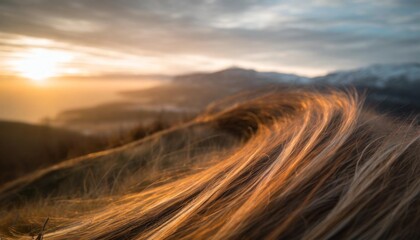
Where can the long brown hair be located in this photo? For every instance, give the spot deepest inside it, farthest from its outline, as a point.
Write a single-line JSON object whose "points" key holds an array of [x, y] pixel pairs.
{"points": [[305, 166]]}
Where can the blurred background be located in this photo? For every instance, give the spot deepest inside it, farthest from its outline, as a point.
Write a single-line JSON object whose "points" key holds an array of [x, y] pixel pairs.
{"points": [[83, 76]]}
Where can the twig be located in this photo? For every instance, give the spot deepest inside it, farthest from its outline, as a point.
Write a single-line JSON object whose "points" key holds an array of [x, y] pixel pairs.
{"points": [[41, 234]]}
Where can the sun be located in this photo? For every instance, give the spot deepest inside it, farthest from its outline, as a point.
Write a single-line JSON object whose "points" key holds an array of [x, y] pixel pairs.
{"points": [[40, 64]]}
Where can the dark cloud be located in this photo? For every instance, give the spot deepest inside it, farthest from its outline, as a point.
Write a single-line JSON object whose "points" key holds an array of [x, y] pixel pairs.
{"points": [[319, 34]]}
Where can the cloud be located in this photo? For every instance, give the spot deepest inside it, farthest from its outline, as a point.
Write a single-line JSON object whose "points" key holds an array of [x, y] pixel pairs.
{"points": [[292, 34]]}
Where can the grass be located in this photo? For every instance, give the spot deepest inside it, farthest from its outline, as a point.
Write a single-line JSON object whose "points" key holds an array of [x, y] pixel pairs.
{"points": [[144, 157], [133, 162], [25, 148]]}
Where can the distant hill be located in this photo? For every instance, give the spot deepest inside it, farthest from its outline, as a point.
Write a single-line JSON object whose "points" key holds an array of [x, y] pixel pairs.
{"points": [[391, 88], [180, 99], [378, 76], [25, 147], [239, 76], [196, 91]]}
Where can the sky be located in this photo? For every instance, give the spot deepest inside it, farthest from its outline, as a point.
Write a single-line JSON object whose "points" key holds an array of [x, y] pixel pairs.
{"points": [[100, 37]]}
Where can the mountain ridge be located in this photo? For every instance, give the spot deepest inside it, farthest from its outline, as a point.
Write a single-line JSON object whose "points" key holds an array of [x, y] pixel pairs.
{"points": [[410, 71]]}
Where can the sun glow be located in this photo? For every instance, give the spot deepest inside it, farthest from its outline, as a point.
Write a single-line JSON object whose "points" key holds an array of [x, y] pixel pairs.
{"points": [[40, 64]]}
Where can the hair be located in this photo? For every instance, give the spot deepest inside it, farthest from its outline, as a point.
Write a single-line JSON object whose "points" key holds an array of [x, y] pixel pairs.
{"points": [[305, 165]]}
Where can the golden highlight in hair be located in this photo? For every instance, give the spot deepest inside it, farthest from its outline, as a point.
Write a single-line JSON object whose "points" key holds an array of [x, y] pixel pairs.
{"points": [[305, 166]]}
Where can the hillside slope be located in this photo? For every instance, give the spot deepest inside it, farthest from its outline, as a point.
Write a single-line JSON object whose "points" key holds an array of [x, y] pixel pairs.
{"points": [[26, 147]]}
